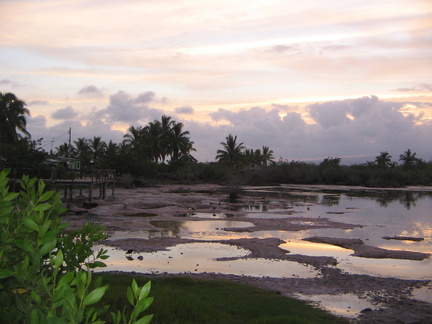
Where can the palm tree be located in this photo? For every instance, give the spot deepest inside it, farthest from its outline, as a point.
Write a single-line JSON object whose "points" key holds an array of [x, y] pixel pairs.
{"points": [[166, 128], [266, 155], [408, 159], [12, 118], [134, 142], [232, 152], [180, 143], [384, 160], [133, 137], [110, 155], [153, 133], [62, 150], [81, 151], [251, 156], [97, 147]]}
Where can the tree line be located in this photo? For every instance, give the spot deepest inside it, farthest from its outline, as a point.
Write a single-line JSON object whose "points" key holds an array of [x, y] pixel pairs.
{"points": [[162, 150]]}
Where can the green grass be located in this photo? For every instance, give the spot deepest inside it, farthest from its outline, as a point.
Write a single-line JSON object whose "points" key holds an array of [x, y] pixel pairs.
{"points": [[190, 300]]}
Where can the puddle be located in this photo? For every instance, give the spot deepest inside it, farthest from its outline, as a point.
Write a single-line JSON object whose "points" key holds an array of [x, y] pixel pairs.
{"points": [[346, 305], [202, 257], [402, 269], [207, 215], [211, 230], [423, 293]]}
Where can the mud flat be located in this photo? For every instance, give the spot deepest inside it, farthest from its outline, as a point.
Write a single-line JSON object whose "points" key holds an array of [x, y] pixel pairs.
{"points": [[390, 299]]}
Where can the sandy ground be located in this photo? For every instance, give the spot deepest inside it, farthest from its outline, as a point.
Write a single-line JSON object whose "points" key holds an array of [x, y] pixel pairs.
{"points": [[165, 202]]}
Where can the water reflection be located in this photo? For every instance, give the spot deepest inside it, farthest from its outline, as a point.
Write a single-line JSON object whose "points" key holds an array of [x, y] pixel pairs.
{"points": [[206, 215], [380, 214], [347, 305], [202, 257], [192, 229]]}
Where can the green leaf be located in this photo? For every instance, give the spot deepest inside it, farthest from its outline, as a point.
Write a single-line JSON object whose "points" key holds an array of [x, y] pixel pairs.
{"points": [[66, 279], [135, 288], [145, 290], [24, 245], [130, 296], [42, 207], [48, 247], [141, 306], [10, 196], [45, 226], [31, 224], [96, 264], [94, 296], [36, 298], [145, 320], [47, 195], [5, 273], [58, 259]]}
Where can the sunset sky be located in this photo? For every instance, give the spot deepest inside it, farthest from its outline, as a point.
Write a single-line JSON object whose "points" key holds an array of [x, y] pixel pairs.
{"points": [[310, 79]]}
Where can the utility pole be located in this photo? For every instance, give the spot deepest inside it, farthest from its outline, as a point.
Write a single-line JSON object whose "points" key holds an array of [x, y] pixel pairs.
{"points": [[69, 146]]}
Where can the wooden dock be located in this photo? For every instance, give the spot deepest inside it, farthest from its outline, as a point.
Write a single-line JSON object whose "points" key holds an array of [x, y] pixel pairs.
{"points": [[70, 181]]}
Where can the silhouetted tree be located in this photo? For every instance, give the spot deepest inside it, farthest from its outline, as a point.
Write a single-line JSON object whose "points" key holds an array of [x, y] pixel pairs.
{"points": [[232, 153], [408, 159], [12, 118], [384, 160]]}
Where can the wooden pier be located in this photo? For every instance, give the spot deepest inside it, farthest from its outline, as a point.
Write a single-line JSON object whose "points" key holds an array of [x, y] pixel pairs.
{"points": [[71, 181]]}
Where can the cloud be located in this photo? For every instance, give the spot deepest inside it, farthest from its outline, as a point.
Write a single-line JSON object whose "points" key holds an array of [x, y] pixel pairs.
{"points": [[5, 82], [356, 130], [65, 113], [91, 91], [38, 103], [124, 108], [418, 87], [187, 110], [145, 97], [373, 126], [10, 83]]}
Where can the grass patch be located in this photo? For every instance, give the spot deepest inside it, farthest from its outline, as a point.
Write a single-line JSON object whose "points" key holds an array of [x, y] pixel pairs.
{"points": [[190, 300]]}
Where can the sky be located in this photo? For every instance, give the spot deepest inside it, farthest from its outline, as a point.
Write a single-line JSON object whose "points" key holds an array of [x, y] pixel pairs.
{"points": [[310, 79]]}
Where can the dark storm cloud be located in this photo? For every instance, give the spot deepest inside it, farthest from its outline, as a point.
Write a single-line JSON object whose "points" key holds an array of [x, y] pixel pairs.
{"points": [[65, 113]]}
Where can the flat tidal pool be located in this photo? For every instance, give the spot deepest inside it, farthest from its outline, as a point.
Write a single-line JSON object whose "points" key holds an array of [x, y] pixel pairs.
{"points": [[203, 257], [379, 214]]}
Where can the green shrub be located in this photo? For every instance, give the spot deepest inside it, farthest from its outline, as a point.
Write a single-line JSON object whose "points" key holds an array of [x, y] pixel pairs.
{"points": [[45, 271]]}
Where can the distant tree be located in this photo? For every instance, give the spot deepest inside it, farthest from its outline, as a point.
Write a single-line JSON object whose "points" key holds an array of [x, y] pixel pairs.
{"points": [[12, 118], [250, 156], [384, 160], [266, 155], [110, 156], [408, 159], [179, 142], [166, 146], [97, 148], [232, 152], [153, 136], [81, 150], [62, 150]]}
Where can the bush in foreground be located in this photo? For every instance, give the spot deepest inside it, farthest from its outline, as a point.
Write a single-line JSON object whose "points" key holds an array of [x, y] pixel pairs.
{"points": [[45, 272]]}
